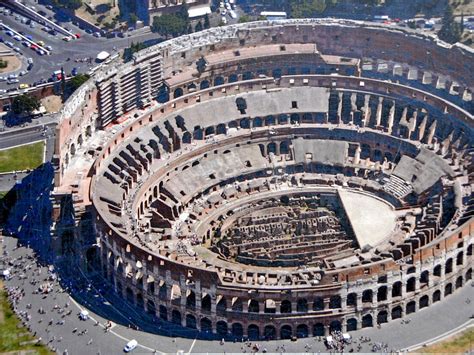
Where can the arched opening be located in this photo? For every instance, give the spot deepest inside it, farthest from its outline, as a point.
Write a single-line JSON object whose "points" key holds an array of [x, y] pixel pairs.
{"points": [[318, 330], [237, 305], [271, 148], [257, 122], [254, 306], [351, 324], [177, 93], [302, 306], [140, 302], [221, 305], [318, 304], [286, 332], [244, 123], [191, 300], [269, 332], [233, 78], [449, 266], [237, 330], [397, 312], [253, 332], [221, 129], [209, 131], [129, 295], [382, 317], [284, 148], [247, 75], [187, 137], [448, 289], [162, 292], [367, 321], [424, 302], [285, 306], [335, 302], [283, 119], [176, 317], [425, 277], [459, 258], [221, 328], [459, 282], [437, 270], [367, 296], [204, 84], [397, 289], [436, 296], [335, 326], [150, 306], [163, 313], [351, 300], [294, 118], [469, 274], [302, 331], [269, 120], [191, 321], [206, 303], [411, 284], [206, 325], [411, 307], [382, 294], [219, 81], [469, 250]]}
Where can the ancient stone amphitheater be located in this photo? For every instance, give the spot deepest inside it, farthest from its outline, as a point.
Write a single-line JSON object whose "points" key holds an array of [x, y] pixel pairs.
{"points": [[275, 179]]}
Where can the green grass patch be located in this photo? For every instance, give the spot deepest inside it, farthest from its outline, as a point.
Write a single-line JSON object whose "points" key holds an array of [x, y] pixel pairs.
{"points": [[21, 158], [459, 344], [11, 331]]}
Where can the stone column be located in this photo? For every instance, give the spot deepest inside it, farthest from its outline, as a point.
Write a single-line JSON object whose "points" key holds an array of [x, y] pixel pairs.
{"points": [[391, 118], [357, 155], [339, 108], [378, 115], [366, 111]]}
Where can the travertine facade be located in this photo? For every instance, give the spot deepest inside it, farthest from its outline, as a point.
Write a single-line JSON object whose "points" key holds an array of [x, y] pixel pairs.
{"points": [[278, 179]]}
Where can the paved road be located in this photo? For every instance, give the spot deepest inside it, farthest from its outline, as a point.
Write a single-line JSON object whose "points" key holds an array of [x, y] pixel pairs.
{"points": [[424, 325], [87, 46]]}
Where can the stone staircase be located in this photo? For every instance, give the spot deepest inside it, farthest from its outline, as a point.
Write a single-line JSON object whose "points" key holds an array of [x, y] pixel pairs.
{"points": [[397, 187]]}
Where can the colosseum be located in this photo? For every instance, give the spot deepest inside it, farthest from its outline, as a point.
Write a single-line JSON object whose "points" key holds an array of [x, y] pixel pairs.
{"points": [[275, 179]]}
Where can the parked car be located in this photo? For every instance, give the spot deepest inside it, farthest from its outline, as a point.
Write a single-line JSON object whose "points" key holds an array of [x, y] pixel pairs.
{"points": [[132, 344]]}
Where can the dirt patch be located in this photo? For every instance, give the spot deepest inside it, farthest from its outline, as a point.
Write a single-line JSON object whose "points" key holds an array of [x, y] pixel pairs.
{"points": [[52, 103], [105, 12], [14, 63]]}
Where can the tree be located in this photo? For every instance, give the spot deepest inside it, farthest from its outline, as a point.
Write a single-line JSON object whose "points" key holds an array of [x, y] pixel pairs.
{"points": [[25, 104], [77, 81], [450, 31], [207, 24], [198, 27], [169, 24], [244, 18], [3, 63], [68, 4], [133, 18]]}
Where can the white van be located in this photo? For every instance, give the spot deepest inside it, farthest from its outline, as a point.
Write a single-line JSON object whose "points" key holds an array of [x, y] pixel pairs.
{"points": [[132, 344]]}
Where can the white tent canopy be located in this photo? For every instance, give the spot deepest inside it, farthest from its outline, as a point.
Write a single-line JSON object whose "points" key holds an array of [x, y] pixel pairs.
{"points": [[103, 55], [197, 11]]}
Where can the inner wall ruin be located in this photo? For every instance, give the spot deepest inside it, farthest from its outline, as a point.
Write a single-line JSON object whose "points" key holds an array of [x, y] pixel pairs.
{"points": [[275, 179]]}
